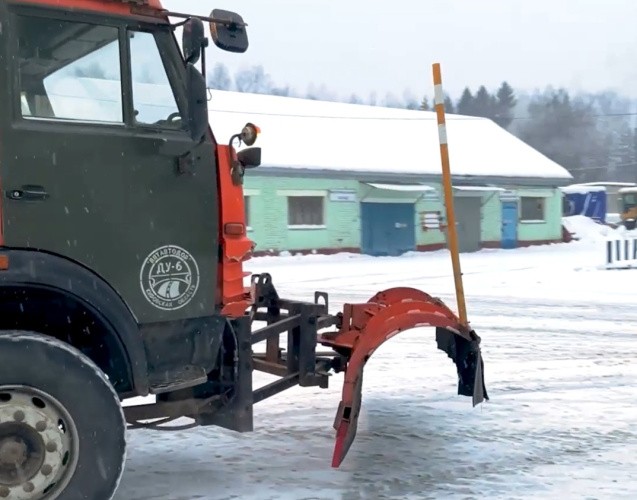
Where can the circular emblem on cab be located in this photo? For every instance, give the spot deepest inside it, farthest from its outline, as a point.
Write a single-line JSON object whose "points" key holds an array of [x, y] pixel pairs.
{"points": [[169, 277]]}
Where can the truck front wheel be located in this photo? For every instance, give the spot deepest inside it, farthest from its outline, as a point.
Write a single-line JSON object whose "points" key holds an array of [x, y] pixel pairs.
{"points": [[62, 430]]}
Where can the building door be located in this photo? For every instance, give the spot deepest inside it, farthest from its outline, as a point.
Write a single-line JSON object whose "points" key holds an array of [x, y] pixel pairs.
{"points": [[387, 228], [468, 222], [509, 237]]}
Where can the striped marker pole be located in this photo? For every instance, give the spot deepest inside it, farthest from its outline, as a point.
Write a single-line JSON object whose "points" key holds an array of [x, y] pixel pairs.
{"points": [[452, 233]]}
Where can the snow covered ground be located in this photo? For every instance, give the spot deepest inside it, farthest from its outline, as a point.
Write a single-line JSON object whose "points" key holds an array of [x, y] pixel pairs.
{"points": [[560, 348]]}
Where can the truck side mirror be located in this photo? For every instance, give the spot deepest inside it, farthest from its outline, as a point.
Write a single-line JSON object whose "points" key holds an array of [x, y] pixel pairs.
{"points": [[197, 103], [193, 39], [232, 35], [250, 157]]}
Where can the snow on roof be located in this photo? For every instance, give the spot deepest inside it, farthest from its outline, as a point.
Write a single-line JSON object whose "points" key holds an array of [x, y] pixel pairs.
{"points": [[628, 190], [608, 184], [306, 134], [402, 187], [301, 134], [491, 189], [582, 189]]}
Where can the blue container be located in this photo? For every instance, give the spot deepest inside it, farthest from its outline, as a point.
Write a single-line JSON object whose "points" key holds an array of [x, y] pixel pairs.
{"points": [[589, 201]]}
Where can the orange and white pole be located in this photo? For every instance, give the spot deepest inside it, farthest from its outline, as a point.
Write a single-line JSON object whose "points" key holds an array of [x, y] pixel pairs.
{"points": [[452, 235]]}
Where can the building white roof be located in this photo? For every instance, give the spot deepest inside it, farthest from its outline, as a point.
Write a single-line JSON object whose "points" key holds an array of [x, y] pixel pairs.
{"points": [[609, 184], [306, 134]]}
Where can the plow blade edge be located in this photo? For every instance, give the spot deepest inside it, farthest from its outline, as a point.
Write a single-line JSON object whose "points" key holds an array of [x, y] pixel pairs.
{"points": [[365, 327]]}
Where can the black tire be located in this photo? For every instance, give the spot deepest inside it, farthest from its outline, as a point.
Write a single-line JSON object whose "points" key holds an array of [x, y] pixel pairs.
{"points": [[81, 388]]}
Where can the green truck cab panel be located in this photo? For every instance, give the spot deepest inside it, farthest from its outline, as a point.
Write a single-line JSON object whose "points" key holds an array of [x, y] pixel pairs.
{"points": [[97, 163]]}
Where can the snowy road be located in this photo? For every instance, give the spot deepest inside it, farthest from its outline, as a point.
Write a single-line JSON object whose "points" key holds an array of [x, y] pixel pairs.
{"points": [[560, 349]]}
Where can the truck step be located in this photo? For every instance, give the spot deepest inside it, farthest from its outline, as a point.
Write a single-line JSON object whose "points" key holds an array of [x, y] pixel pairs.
{"points": [[176, 379]]}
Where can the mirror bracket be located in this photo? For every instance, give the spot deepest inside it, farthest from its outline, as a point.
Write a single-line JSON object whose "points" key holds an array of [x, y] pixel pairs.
{"points": [[197, 104]]}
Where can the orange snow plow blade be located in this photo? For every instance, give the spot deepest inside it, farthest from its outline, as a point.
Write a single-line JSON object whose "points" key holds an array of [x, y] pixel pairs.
{"points": [[365, 327]]}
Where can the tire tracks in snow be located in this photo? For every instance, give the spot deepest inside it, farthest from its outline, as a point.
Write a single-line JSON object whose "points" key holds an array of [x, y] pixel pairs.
{"points": [[560, 371]]}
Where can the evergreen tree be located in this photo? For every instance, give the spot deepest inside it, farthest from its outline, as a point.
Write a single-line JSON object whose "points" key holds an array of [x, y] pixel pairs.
{"points": [[483, 103], [449, 108], [505, 105], [466, 103], [623, 161], [425, 106], [564, 130]]}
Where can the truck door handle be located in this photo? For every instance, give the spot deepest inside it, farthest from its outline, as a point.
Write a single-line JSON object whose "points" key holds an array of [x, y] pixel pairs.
{"points": [[28, 192]]}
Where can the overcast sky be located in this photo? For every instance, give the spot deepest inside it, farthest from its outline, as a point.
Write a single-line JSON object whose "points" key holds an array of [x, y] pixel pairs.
{"points": [[360, 46]]}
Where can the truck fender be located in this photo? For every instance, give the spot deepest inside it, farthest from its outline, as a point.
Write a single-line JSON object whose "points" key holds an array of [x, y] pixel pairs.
{"points": [[32, 268]]}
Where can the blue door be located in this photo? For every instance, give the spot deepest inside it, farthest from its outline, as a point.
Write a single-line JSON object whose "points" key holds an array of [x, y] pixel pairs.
{"points": [[509, 224], [388, 228]]}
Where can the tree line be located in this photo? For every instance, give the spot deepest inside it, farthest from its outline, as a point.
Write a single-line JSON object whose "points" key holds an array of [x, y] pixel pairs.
{"points": [[592, 135]]}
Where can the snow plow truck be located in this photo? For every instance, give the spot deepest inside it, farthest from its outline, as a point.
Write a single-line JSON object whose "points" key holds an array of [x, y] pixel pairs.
{"points": [[628, 207], [122, 252]]}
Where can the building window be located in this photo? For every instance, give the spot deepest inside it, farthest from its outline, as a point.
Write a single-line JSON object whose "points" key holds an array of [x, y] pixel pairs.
{"points": [[306, 211], [532, 209]]}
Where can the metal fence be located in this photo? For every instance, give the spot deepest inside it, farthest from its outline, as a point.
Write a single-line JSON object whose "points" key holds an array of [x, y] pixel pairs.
{"points": [[621, 253]]}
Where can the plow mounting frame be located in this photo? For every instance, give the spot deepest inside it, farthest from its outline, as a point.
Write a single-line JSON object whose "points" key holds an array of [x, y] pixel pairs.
{"points": [[350, 338]]}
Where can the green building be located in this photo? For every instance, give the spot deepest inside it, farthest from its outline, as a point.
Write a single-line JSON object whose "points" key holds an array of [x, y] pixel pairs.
{"points": [[341, 177]]}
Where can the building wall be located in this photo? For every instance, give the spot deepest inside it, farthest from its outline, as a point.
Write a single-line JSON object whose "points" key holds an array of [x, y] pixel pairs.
{"points": [[424, 203], [269, 215], [429, 238], [268, 212], [546, 229], [551, 228]]}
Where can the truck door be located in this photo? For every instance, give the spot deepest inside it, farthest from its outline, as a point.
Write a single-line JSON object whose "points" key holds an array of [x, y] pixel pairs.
{"points": [[96, 164]]}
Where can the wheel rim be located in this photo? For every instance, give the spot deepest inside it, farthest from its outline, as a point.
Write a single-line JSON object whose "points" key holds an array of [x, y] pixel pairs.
{"points": [[38, 444]]}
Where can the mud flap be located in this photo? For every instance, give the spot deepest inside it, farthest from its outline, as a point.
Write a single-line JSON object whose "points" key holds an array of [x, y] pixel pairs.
{"points": [[468, 360], [367, 326]]}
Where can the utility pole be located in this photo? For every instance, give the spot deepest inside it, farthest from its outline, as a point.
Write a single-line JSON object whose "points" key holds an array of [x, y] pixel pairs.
{"points": [[439, 101]]}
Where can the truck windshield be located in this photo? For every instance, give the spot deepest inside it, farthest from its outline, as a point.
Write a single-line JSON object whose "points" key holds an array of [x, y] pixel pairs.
{"points": [[72, 71], [630, 200]]}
